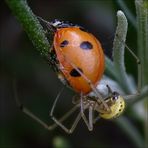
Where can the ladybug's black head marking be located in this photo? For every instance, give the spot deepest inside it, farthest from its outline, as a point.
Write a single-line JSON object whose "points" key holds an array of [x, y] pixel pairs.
{"points": [[63, 24], [56, 23], [86, 45], [75, 73]]}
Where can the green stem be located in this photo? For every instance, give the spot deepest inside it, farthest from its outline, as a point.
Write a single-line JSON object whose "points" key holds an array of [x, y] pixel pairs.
{"points": [[142, 22], [30, 24]]}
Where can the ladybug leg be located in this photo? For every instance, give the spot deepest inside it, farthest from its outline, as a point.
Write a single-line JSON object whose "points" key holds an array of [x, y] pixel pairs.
{"points": [[82, 109]]}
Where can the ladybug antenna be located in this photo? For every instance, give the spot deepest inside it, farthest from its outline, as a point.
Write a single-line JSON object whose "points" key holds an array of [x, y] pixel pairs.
{"points": [[49, 25], [44, 21]]}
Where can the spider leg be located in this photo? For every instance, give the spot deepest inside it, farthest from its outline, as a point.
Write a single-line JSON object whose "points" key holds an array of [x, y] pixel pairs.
{"points": [[65, 116], [37, 119], [82, 109], [26, 110], [91, 114], [139, 78], [138, 69], [59, 123]]}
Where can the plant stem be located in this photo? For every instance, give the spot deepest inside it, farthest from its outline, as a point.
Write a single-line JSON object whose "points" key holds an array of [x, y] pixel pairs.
{"points": [[30, 24], [109, 68], [142, 22], [118, 52]]}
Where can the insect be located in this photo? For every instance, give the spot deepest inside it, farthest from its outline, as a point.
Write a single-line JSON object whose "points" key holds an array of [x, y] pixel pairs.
{"points": [[78, 59]]}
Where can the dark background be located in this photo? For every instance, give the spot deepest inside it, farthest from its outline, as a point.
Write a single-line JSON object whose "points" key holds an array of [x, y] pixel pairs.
{"points": [[38, 86]]}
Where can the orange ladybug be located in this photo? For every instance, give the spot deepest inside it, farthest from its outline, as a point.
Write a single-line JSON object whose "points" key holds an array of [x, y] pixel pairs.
{"points": [[79, 56]]}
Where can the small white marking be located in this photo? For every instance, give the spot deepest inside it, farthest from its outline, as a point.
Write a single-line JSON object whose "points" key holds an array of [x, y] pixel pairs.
{"points": [[56, 23]]}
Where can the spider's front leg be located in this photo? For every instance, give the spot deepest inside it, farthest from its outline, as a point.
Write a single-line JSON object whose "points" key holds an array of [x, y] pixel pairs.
{"points": [[27, 111], [40, 121], [59, 123]]}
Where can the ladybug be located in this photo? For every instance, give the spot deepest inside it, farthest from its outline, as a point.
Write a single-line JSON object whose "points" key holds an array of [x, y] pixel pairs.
{"points": [[79, 56]]}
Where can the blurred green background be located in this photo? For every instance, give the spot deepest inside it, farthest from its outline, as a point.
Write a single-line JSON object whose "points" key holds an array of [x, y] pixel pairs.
{"points": [[38, 85]]}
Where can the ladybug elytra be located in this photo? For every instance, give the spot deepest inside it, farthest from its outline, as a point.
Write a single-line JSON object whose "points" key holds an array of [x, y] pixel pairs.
{"points": [[79, 54]]}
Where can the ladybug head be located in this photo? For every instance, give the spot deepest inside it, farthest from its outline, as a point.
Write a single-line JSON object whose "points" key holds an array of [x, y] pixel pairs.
{"points": [[61, 24], [56, 23]]}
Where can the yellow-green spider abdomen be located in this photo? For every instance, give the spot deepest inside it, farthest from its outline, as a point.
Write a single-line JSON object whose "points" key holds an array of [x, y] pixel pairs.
{"points": [[116, 108]]}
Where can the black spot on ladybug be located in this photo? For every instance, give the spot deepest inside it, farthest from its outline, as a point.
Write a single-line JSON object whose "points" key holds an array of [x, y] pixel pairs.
{"points": [[64, 43], [75, 73], [86, 45]]}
